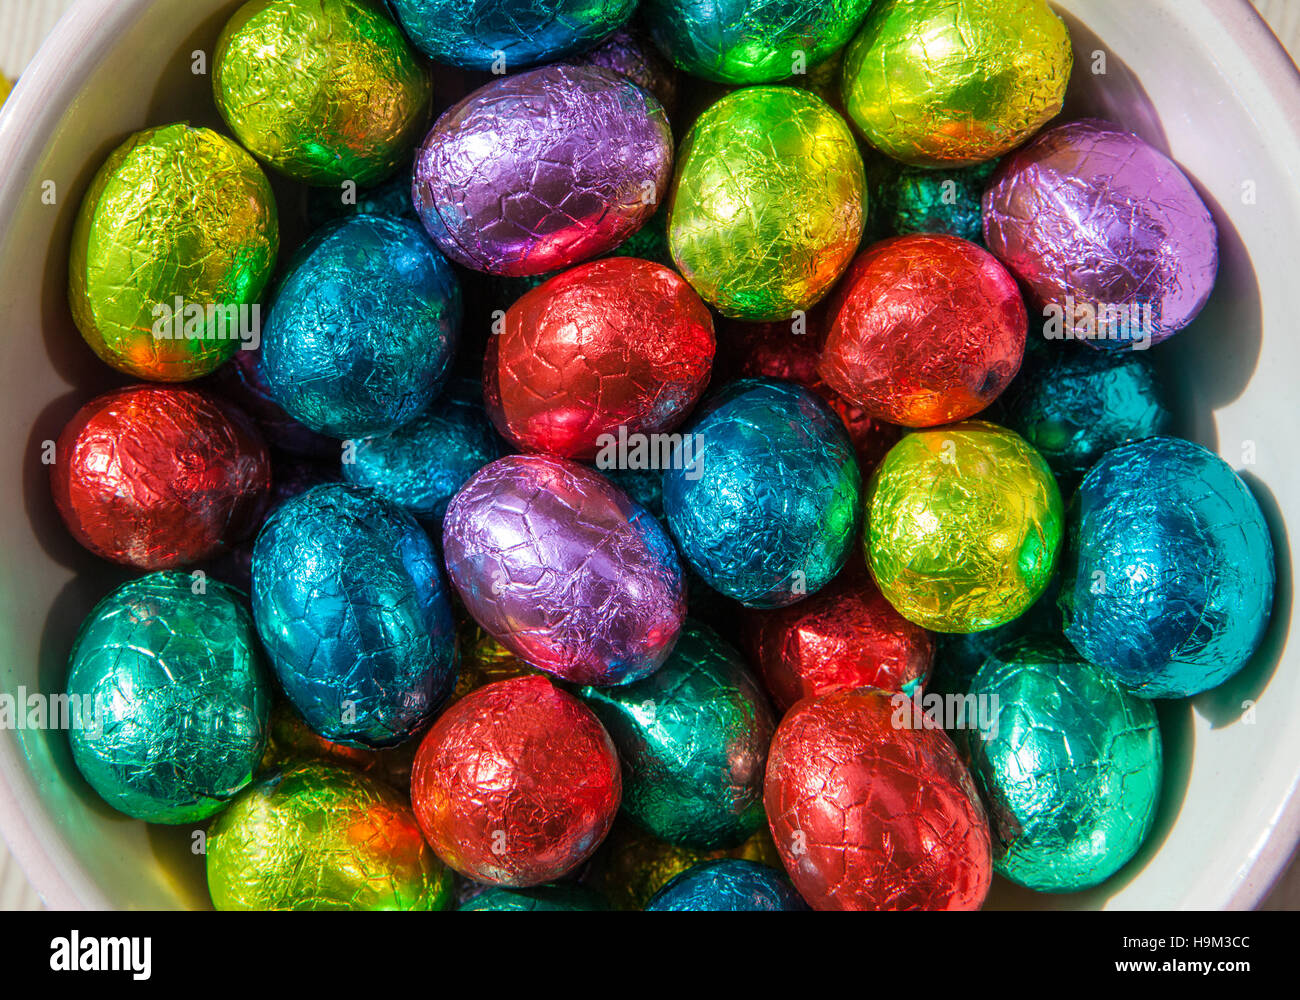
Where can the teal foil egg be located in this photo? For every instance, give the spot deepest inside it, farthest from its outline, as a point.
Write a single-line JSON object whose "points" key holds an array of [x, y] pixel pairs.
{"points": [[1069, 763], [692, 738], [550, 898], [174, 703], [728, 885]]}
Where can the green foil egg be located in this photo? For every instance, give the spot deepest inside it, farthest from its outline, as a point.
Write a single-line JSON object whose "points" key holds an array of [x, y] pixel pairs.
{"points": [[1069, 762], [692, 738], [964, 525], [325, 91], [173, 244], [322, 837], [948, 83], [173, 698], [767, 206]]}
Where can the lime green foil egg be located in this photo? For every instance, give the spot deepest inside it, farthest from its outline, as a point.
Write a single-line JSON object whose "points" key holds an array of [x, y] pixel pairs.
{"points": [[321, 837], [950, 83], [173, 244], [964, 525], [768, 203], [325, 91]]}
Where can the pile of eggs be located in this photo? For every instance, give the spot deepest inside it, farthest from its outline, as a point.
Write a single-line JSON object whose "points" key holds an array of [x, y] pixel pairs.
{"points": [[631, 447]]}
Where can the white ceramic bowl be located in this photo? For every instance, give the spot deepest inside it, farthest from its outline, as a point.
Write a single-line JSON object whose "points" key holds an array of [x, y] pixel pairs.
{"points": [[1204, 81]]}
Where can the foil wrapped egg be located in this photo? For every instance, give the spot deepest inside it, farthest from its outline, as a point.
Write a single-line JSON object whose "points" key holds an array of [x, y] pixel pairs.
{"points": [[242, 382], [174, 242], [542, 170], [506, 35], [1070, 765], [927, 200], [765, 506], [729, 885], [950, 83], [752, 41], [516, 784], [168, 697], [964, 526], [352, 609], [158, 477], [609, 351], [391, 199], [564, 570], [292, 743], [692, 739], [630, 53], [421, 465], [890, 347], [325, 91], [361, 333], [322, 837], [869, 814], [5, 88], [843, 637], [767, 204], [1168, 576], [548, 898], [1106, 231]]}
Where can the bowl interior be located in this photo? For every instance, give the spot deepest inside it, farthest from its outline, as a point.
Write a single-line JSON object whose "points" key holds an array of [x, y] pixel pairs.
{"points": [[1206, 83]]}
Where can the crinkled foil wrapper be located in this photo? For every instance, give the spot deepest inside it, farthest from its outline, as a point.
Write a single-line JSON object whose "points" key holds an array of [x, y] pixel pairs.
{"points": [[835, 762], [564, 570], [692, 738], [175, 700], [1169, 570], [730, 885], [964, 526], [176, 215], [325, 91], [516, 784], [1070, 764], [629, 53], [352, 608], [950, 83], [928, 200], [543, 898], [322, 837], [768, 203]]}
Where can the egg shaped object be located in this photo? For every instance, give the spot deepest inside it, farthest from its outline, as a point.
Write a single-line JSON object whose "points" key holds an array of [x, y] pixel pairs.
{"points": [[562, 897], [730, 885]]}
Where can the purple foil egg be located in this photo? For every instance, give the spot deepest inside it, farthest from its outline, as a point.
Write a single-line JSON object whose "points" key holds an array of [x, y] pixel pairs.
{"points": [[565, 571], [634, 56], [1106, 231], [543, 170]]}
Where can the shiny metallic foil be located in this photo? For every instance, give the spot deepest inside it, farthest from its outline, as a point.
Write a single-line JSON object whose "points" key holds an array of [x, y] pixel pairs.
{"points": [[871, 815], [964, 525], [175, 700], [352, 608], [543, 898], [506, 35], [890, 346], [629, 53], [242, 382], [731, 886], [322, 837], [1105, 229], [949, 83], [325, 91], [483, 660], [1069, 762], [564, 570], [1169, 570], [766, 509], [177, 222], [768, 202], [158, 477], [752, 41], [292, 742], [516, 784], [692, 738], [926, 200], [610, 348], [544, 169]]}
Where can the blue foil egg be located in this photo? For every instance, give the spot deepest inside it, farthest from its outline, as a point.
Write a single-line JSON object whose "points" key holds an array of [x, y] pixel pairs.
{"points": [[505, 35], [361, 333], [729, 885], [1168, 574], [421, 465], [350, 603], [763, 496], [551, 898]]}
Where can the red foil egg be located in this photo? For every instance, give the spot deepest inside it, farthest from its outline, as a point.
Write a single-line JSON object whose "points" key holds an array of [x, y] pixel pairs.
{"points": [[845, 636], [619, 342], [926, 329], [870, 815], [159, 477], [516, 784]]}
